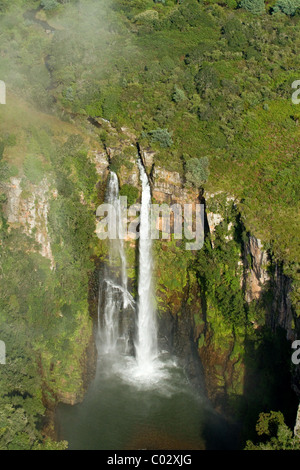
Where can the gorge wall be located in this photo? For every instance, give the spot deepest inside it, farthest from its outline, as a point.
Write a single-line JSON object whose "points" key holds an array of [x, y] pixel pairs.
{"points": [[220, 309], [220, 337]]}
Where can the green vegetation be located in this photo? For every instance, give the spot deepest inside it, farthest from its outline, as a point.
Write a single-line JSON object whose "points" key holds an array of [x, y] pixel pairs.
{"points": [[49, 4], [33, 169], [171, 284], [197, 171], [289, 7], [257, 7], [131, 192], [207, 85], [162, 136], [44, 318], [280, 437]]}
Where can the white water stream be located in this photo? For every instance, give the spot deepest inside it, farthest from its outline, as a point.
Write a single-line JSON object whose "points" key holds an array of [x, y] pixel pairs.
{"points": [[113, 290], [148, 366], [141, 399], [146, 344]]}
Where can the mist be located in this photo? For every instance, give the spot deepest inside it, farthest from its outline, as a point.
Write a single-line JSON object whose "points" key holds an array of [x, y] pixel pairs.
{"points": [[66, 59]]}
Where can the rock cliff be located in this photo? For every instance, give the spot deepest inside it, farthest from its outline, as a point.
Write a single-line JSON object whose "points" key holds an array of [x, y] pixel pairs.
{"points": [[29, 211]]}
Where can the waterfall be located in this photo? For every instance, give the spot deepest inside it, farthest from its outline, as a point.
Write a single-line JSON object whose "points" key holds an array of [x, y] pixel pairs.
{"points": [[146, 344], [117, 246], [147, 367], [114, 297]]}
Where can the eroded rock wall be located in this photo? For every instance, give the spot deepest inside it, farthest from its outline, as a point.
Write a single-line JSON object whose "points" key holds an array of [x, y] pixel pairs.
{"points": [[29, 211]]}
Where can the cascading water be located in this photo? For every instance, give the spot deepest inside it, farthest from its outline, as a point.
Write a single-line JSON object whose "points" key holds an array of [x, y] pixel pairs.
{"points": [[149, 369], [140, 401], [117, 245], [114, 297], [146, 344], [145, 367]]}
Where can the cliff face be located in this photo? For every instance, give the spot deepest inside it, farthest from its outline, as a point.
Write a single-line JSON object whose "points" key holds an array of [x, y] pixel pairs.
{"points": [[230, 363], [192, 324], [263, 286], [29, 211], [26, 209], [260, 273], [256, 262], [297, 424]]}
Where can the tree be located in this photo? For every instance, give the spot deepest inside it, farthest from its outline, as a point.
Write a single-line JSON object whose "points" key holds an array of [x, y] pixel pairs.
{"points": [[49, 4], [257, 7], [162, 136], [207, 77], [197, 171], [289, 7], [178, 95], [273, 426]]}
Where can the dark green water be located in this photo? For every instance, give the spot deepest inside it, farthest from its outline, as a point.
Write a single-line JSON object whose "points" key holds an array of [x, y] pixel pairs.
{"points": [[122, 414]]}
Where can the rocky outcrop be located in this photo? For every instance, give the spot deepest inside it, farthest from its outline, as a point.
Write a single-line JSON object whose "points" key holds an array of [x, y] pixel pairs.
{"points": [[282, 313], [260, 273], [29, 211], [256, 263], [179, 333], [101, 162], [297, 424], [217, 206], [264, 285], [263, 274], [147, 156], [213, 220], [220, 355], [168, 187]]}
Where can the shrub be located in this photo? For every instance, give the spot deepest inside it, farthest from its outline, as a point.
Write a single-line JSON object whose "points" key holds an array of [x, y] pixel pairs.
{"points": [[131, 192], [49, 4], [234, 33], [4, 4], [11, 140], [178, 95], [289, 7], [257, 7], [207, 77], [147, 17], [162, 136], [280, 436], [232, 4], [197, 171]]}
